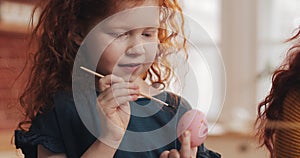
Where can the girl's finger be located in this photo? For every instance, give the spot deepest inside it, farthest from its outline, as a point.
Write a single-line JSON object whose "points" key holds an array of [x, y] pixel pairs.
{"points": [[125, 108], [124, 85], [174, 154], [194, 151], [121, 85], [111, 105], [185, 151], [108, 80], [164, 154], [124, 99], [113, 94]]}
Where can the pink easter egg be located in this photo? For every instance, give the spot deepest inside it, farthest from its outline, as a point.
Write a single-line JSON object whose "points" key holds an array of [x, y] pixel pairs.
{"points": [[194, 121]]}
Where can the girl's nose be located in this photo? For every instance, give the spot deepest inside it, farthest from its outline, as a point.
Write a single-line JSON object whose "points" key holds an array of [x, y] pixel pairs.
{"points": [[135, 48]]}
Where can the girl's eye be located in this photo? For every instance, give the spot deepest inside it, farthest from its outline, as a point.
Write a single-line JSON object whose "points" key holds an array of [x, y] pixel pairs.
{"points": [[150, 33], [117, 35], [147, 34]]}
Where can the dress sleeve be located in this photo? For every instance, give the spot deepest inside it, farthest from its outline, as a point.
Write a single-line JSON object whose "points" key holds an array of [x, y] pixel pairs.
{"points": [[44, 131], [287, 139], [60, 130]]}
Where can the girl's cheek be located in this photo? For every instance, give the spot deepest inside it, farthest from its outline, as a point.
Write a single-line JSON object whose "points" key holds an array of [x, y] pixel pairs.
{"points": [[152, 49]]}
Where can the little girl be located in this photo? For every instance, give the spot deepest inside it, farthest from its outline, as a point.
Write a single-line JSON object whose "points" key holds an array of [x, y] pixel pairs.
{"points": [[130, 50]]}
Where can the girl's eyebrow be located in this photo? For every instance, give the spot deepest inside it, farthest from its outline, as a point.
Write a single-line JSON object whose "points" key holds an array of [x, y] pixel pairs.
{"points": [[151, 28], [130, 29], [126, 26], [118, 25], [123, 30]]}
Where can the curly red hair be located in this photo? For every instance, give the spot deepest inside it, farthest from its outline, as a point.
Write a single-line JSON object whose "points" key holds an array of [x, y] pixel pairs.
{"points": [[285, 78], [53, 60]]}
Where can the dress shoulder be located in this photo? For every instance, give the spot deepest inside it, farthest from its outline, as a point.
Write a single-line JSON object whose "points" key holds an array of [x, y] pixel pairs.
{"points": [[59, 130], [44, 131]]}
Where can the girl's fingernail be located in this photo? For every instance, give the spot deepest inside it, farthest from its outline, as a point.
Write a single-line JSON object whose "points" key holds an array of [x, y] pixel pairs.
{"points": [[186, 133], [134, 97]]}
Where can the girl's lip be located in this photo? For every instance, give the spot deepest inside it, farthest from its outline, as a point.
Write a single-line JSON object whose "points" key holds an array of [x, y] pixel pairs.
{"points": [[130, 67]]}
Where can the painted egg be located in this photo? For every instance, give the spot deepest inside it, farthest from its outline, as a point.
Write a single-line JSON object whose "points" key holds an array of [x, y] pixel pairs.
{"points": [[194, 121]]}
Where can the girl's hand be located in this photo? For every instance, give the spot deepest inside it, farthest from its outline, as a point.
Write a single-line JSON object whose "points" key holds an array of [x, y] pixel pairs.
{"points": [[185, 152], [114, 108]]}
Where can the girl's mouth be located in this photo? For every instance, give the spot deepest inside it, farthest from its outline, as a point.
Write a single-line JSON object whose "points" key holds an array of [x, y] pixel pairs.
{"points": [[130, 67]]}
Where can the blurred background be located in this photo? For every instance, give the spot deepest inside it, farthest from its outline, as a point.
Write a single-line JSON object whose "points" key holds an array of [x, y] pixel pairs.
{"points": [[249, 34]]}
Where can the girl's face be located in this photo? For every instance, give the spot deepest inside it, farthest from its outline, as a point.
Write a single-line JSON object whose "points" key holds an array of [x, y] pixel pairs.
{"points": [[130, 54], [128, 41]]}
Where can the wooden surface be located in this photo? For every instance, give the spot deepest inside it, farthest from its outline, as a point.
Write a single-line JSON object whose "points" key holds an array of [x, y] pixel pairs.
{"points": [[7, 148], [236, 145]]}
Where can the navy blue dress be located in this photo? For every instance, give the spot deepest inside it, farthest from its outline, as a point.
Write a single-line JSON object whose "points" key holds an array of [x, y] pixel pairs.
{"points": [[61, 130]]}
